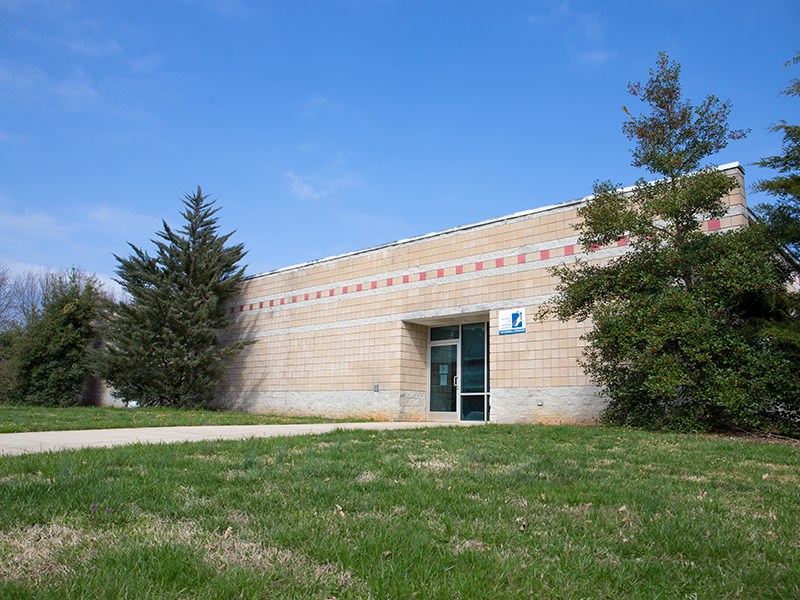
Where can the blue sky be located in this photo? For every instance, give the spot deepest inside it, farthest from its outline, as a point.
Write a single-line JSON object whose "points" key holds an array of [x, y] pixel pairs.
{"points": [[333, 125]]}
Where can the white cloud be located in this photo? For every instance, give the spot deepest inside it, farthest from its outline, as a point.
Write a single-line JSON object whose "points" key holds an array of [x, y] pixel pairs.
{"points": [[147, 64], [78, 36], [595, 58], [301, 188], [79, 62], [90, 47], [18, 80], [325, 182], [583, 31], [67, 236], [23, 228], [318, 105], [120, 220], [19, 267]]}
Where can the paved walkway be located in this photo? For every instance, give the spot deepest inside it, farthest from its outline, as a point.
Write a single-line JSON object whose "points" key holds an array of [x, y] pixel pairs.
{"points": [[53, 441]]}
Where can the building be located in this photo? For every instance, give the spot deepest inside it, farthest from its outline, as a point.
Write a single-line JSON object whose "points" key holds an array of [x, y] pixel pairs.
{"points": [[439, 327]]}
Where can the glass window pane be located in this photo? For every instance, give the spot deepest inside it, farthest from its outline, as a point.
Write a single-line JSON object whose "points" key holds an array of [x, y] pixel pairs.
{"points": [[473, 358], [472, 408], [444, 333]]}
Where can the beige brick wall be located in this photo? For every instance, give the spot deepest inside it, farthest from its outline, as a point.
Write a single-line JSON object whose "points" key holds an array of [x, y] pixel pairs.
{"points": [[327, 332]]}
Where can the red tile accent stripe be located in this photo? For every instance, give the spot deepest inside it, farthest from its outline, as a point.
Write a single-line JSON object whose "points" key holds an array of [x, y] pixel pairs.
{"points": [[623, 241], [713, 225]]}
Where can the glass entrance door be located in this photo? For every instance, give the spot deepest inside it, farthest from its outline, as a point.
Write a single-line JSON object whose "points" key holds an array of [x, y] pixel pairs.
{"points": [[474, 398], [443, 382], [458, 375]]}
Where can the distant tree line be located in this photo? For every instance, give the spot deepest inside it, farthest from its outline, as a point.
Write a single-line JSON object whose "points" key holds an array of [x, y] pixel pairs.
{"points": [[47, 325], [157, 346]]}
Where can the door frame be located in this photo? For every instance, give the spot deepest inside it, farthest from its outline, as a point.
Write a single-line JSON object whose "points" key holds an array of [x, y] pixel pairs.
{"points": [[456, 417], [445, 416]]}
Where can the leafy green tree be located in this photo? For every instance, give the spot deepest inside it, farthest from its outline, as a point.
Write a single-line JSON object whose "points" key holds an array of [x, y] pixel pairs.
{"points": [[51, 351], [7, 365], [6, 334], [678, 340], [161, 347], [783, 217]]}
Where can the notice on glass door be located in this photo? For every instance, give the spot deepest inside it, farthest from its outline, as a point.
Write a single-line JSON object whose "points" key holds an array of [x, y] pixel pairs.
{"points": [[512, 321]]}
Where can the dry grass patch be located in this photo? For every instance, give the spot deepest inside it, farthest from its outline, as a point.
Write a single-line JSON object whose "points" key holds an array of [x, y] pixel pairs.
{"points": [[29, 553], [366, 477], [470, 546], [20, 477], [437, 464], [34, 553]]}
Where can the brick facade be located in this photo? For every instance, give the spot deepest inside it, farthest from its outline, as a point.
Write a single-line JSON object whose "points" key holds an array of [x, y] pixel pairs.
{"points": [[328, 332]]}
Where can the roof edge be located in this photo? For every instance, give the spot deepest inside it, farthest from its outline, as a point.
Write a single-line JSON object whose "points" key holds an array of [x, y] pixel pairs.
{"points": [[427, 236]]}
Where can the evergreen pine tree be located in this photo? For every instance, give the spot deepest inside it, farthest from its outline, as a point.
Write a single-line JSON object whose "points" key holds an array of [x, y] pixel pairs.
{"points": [[783, 217], [161, 346]]}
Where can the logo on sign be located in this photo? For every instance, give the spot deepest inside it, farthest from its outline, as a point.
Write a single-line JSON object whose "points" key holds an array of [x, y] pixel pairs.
{"points": [[512, 321]]}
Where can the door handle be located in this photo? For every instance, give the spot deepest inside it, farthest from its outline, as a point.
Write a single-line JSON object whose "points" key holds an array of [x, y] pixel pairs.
{"points": [[455, 381]]}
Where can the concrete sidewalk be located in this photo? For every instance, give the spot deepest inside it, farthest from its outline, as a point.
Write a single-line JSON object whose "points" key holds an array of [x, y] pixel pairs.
{"points": [[54, 441]]}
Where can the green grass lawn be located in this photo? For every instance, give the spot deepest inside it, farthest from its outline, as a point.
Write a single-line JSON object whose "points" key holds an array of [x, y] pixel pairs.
{"points": [[14, 419], [480, 512]]}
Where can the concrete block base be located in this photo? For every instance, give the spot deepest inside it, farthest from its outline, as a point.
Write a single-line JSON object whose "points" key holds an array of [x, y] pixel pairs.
{"points": [[389, 405], [571, 405]]}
